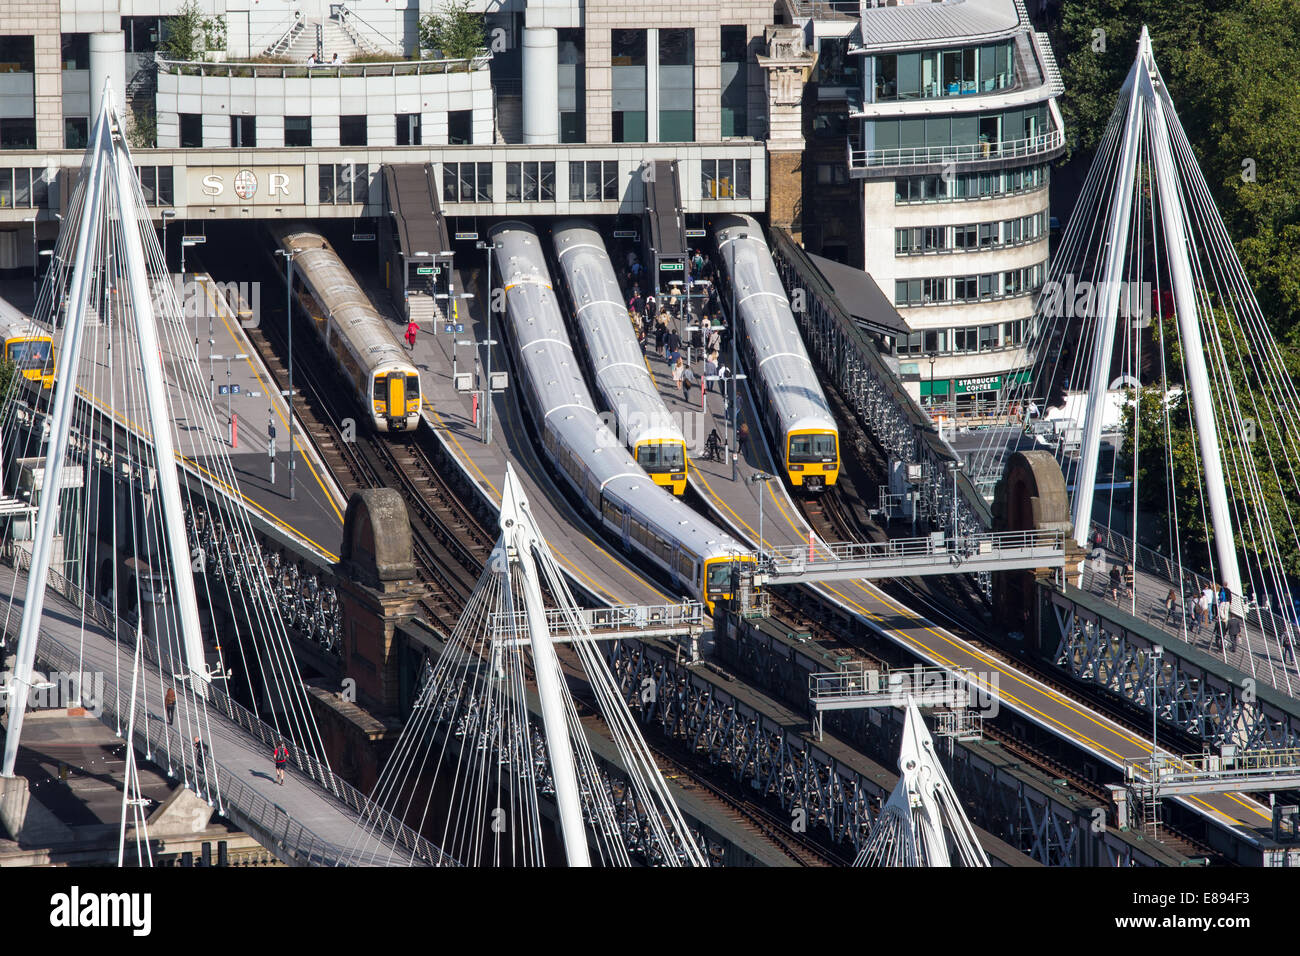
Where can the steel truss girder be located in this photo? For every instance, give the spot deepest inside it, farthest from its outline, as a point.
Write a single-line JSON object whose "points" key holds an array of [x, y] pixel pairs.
{"points": [[474, 728], [873, 394], [1000, 803], [1201, 703], [757, 751]]}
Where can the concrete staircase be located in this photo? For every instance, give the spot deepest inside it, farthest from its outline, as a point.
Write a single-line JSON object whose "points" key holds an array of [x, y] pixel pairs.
{"points": [[423, 310], [509, 118], [334, 39]]}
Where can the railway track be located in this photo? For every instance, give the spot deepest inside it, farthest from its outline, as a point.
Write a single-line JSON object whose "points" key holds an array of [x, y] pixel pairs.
{"points": [[835, 518], [450, 546]]}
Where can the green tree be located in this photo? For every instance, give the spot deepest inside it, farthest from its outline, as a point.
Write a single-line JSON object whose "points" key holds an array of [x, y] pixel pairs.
{"points": [[183, 29], [1169, 469], [1229, 66], [454, 31]]}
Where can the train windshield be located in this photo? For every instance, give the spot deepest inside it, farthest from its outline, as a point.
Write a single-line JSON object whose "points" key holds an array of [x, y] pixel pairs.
{"points": [[722, 578], [30, 353], [662, 456], [812, 447]]}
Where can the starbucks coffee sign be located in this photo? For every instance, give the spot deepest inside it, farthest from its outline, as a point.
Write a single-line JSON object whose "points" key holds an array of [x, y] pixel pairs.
{"points": [[245, 185]]}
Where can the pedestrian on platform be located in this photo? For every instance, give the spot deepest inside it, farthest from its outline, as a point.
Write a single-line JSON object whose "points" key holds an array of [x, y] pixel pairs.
{"points": [[673, 344], [281, 757], [689, 381], [710, 370], [679, 374], [412, 329], [742, 436], [651, 307], [169, 704]]}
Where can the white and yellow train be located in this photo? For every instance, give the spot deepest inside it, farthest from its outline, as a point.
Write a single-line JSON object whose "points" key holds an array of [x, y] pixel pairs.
{"points": [[611, 349], [385, 382]]}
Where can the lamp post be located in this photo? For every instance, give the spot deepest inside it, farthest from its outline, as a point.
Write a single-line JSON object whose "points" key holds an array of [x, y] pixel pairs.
{"points": [[1157, 652], [763, 477], [32, 220], [931, 357], [953, 470], [289, 256], [489, 248], [166, 215]]}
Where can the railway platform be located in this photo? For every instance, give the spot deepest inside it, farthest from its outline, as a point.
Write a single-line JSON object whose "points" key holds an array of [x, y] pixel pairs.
{"points": [[735, 503], [236, 384], [590, 560]]}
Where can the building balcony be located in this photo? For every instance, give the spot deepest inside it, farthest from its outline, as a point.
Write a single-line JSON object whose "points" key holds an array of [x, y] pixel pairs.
{"points": [[866, 162], [271, 69]]}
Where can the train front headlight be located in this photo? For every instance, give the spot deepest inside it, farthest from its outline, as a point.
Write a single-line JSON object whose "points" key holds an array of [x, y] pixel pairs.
{"points": [[796, 467], [832, 466]]}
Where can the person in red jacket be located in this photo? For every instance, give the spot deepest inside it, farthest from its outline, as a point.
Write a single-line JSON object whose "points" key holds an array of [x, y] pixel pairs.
{"points": [[411, 331], [281, 757]]}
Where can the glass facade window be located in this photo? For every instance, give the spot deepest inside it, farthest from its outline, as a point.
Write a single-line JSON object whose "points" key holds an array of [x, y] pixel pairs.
{"points": [[344, 183], [191, 130], [17, 53], [910, 189], [155, 185], [967, 129], [530, 182], [75, 51], [352, 130], [76, 132], [628, 63], [724, 178], [572, 99], [593, 181], [735, 85], [142, 33], [243, 131], [408, 129], [676, 86], [936, 73], [836, 67], [466, 182], [460, 127], [297, 131]]}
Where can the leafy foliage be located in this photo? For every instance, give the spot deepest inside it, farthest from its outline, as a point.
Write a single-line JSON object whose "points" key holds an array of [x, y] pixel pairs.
{"points": [[1229, 66], [183, 29], [454, 31]]}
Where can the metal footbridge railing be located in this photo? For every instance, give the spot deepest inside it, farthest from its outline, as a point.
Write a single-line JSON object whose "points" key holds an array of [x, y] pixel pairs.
{"points": [[911, 557]]}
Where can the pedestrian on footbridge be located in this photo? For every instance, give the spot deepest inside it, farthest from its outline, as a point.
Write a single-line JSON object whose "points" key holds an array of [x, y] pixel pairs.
{"points": [[281, 757]]}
